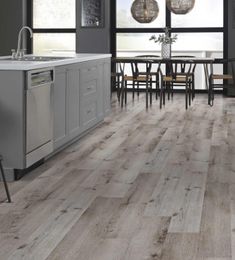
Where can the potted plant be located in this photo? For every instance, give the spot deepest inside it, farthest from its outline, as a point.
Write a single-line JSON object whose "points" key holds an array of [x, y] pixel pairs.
{"points": [[166, 40]]}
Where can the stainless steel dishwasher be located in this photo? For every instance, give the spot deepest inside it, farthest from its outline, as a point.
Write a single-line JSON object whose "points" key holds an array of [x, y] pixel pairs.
{"points": [[39, 127]]}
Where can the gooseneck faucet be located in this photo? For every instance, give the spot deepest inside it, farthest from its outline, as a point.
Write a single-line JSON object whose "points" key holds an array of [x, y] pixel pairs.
{"points": [[19, 52]]}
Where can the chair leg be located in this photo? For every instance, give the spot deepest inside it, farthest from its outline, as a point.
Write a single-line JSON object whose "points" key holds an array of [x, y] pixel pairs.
{"points": [[164, 93], [209, 97], [122, 92], [212, 97], [210, 93], [168, 90], [157, 87], [125, 92], [147, 94], [133, 90], [193, 88], [151, 93], [161, 95], [4, 182], [186, 97], [189, 93], [118, 88], [156, 90]]}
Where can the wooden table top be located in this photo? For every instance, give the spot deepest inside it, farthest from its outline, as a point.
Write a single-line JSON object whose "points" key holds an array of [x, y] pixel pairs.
{"points": [[198, 60]]}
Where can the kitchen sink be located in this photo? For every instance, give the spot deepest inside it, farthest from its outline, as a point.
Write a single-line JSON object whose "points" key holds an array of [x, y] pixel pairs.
{"points": [[37, 58]]}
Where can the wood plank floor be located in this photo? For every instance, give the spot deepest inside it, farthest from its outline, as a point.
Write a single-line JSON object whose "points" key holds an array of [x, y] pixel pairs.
{"points": [[143, 185]]}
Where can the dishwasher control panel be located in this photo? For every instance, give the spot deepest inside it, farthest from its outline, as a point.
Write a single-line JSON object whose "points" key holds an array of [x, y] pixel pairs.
{"points": [[39, 77]]}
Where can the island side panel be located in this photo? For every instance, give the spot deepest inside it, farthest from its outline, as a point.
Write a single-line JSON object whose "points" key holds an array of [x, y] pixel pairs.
{"points": [[107, 86], [12, 119]]}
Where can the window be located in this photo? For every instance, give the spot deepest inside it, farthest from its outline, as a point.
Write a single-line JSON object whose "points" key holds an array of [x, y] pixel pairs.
{"points": [[49, 42], [54, 25], [207, 13], [201, 32]]}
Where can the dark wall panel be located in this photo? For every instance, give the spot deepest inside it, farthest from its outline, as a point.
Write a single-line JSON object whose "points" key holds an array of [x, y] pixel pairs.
{"points": [[11, 20], [231, 28], [94, 40]]}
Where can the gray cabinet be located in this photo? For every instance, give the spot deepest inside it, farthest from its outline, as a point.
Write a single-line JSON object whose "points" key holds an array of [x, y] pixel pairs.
{"points": [[80, 98], [72, 101], [106, 87], [59, 100], [66, 104], [12, 118], [90, 85]]}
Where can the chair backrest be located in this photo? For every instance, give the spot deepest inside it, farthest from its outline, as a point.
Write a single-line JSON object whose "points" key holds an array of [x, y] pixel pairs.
{"points": [[120, 67], [183, 66], [144, 67], [230, 63], [180, 67], [148, 56]]}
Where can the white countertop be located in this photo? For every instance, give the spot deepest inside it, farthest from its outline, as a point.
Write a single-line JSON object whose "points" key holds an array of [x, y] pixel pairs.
{"points": [[29, 65]]}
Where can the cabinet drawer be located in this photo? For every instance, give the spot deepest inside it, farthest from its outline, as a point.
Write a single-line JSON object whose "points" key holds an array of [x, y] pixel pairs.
{"points": [[89, 112], [89, 73], [89, 88]]}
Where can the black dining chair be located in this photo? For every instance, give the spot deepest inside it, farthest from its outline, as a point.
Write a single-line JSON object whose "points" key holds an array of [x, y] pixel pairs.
{"points": [[138, 78], [221, 81], [180, 69], [4, 181], [154, 73], [116, 79], [178, 72]]}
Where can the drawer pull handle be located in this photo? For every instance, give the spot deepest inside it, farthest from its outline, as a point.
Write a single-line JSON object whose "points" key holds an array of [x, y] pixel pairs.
{"points": [[90, 69]]}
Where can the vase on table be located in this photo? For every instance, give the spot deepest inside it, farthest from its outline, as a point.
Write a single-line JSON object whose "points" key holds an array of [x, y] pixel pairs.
{"points": [[166, 50]]}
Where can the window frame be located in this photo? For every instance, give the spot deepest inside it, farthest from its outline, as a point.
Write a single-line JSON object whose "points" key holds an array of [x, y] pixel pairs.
{"points": [[115, 30], [29, 21]]}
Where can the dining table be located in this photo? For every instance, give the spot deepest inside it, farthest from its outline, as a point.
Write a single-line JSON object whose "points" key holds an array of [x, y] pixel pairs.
{"points": [[205, 61]]}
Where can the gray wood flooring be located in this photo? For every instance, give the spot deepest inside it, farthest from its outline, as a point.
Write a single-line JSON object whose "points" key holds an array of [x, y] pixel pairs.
{"points": [[143, 185]]}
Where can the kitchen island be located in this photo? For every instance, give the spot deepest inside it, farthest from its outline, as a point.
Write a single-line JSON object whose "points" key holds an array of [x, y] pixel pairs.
{"points": [[46, 105]]}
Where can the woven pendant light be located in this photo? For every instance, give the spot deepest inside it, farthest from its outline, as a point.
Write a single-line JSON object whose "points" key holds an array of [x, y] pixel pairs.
{"points": [[144, 11], [180, 6]]}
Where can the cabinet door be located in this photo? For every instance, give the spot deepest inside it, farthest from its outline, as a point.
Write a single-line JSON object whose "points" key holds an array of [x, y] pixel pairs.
{"points": [[90, 86], [59, 101], [73, 92], [107, 86]]}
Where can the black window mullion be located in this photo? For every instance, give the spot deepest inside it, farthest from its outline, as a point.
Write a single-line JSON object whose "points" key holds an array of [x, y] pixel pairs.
{"points": [[29, 20], [197, 29], [54, 30], [168, 18], [113, 44], [183, 30]]}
